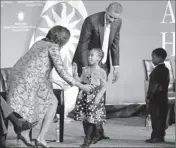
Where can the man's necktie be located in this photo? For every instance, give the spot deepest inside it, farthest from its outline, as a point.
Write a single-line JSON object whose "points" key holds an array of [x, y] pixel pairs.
{"points": [[106, 42]]}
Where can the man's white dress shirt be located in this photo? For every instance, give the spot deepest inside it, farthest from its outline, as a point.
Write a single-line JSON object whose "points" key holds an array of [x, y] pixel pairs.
{"points": [[107, 27]]}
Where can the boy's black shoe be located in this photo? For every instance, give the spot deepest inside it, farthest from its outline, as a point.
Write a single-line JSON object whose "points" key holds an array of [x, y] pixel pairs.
{"points": [[3, 141], [155, 140], [105, 137]]}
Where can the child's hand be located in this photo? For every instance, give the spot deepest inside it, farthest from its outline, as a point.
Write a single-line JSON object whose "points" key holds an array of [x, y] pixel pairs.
{"points": [[74, 69]]}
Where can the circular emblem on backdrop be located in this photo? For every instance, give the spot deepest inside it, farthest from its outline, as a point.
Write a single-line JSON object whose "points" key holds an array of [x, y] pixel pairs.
{"points": [[69, 14], [20, 16], [65, 15]]}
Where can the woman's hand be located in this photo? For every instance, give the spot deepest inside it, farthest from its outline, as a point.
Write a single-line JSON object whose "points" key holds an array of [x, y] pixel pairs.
{"points": [[87, 88]]}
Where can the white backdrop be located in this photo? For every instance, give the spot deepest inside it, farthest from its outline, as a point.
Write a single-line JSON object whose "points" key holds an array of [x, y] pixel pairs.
{"points": [[140, 34]]}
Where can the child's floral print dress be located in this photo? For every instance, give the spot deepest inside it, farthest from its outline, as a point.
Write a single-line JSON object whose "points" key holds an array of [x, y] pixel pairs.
{"points": [[85, 108]]}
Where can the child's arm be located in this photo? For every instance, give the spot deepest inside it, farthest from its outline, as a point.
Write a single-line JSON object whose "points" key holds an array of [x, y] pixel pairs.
{"points": [[75, 72], [103, 81], [152, 89], [77, 77]]}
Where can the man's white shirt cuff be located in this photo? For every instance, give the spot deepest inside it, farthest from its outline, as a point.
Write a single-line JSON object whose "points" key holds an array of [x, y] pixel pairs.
{"points": [[116, 66]]}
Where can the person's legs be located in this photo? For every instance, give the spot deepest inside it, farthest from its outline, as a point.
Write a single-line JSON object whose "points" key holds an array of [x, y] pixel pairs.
{"points": [[105, 67], [22, 128], [162, 118], [6, 113], [25, 134], [5, 108], [101, 130], [3, 141], [15, 121], [85, 126], [3, 131], [155, 123], [87, 139], [159, 122], [57, 93], [47, 120], [98, 133]]}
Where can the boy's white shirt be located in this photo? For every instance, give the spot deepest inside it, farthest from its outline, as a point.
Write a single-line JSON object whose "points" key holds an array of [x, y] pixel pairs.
{"points": [[158, 64]]}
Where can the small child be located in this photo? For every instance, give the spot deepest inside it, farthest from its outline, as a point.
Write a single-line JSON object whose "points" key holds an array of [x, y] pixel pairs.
{"points": [[90, 108], [157, 96]]}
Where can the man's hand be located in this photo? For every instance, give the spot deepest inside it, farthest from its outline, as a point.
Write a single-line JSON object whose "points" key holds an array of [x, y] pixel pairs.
{"points": [[147, 101], [115, 75], [83, 68]]}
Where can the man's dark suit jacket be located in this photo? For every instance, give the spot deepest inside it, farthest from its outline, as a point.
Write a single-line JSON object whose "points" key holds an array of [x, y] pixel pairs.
{"points": [[92, 34], [158, 85]]}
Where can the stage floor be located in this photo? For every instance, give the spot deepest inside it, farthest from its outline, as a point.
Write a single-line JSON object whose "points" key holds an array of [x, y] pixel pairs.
{"points": [[124, 132]]}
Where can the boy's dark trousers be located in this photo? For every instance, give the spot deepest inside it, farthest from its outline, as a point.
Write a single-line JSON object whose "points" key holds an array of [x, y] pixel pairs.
{"points": [[158, 118]]}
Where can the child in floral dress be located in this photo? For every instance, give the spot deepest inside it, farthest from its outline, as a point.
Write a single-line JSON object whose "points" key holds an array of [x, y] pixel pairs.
{"points": [[90, 108]]}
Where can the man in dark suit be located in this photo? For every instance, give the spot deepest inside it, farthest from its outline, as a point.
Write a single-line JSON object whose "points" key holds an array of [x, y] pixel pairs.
{"points": [[101, 30], [157, 96]]}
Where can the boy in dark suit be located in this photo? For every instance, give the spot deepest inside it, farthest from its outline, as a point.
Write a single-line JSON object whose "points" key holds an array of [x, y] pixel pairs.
{"points": [[157, 96]]}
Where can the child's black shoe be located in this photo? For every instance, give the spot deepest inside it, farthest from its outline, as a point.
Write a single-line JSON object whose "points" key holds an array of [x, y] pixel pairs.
{"points": [[87, 142], [155, 140]]}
